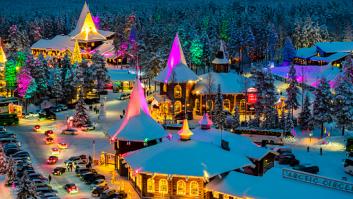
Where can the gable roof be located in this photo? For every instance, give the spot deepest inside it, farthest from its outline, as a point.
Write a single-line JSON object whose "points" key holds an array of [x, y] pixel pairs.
{"points": [[334, 47], [59, 42]]}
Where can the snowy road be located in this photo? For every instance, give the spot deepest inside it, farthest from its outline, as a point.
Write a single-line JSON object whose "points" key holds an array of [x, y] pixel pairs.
{"points": [[78, 144]]}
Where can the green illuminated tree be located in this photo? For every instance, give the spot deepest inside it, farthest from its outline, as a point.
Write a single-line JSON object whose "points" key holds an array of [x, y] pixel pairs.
{"points": [[10, 76], [196, 51]]}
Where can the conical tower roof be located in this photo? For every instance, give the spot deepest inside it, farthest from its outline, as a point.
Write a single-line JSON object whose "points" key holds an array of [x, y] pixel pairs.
{"points": [[205, 122], [185, 133], [80, 22], [177, 69], [2, 55], [137, 125]]}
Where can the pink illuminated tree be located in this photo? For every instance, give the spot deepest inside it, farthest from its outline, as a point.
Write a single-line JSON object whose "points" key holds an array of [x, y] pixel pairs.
{"points": [[23, 81]]}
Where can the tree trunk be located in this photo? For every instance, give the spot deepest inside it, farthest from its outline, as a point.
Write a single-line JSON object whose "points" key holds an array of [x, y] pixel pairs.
{"points": [[343, 130], [322, 130]]}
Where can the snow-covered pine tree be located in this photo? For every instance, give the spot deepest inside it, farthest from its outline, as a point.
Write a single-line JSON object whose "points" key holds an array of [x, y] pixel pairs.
{"points": [[292, 91], [3, 162], [322, 106], [343, 104], [69, 85], [289, 123], [219, 116], [65, 66], [272, 40], [305, 117], [289, 51], [235, 118], [348, 33], [31, 89], [99, 71], [57, 89], [348, 69], [40, 73], [26, 188], [282, 120], [80, 117], [268, 99]]}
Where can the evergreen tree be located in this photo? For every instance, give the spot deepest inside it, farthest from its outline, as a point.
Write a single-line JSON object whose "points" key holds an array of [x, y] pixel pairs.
{"points": [[289, 123], [57, 90], [40, 73], [23, 80], [31, 89], [196, 51], [236, 119], [10, 75], [80, 117], [305, 117], [27, 189], [289, 51], [282, 121], [348, 69], [69, 87], [99, 71], [322, 107], [3, 162], [272, 41], [343, 104], [219, 116], [348, 33], [292, 91], [65, 66]]}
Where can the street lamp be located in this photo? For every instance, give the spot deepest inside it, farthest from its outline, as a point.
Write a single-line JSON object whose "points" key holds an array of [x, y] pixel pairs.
{"points": [[310, 135]]}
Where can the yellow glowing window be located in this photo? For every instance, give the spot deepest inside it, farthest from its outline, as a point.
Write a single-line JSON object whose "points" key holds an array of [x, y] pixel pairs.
{"points": [[177, 107], [150, 185], [209, 105], [226, 104], [165, 88], [197, 104], [181, 187], [194, 188], [177, 91], [139, 181], [163, 186], [242, 105]]}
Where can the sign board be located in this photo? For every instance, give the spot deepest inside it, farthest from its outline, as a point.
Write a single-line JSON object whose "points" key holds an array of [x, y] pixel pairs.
{"points": [[317, 180]]}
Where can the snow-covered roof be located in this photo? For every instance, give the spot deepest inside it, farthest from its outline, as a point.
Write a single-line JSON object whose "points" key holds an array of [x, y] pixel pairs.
{"points": [[137, 124], [81, 20], [220, 61], [59, 42], [231, 83], [306, 53], [243, 185], [107, 49], [331, 58], [334, 47], [238, 144], [186, 158], [121, 75], [177, 69]]}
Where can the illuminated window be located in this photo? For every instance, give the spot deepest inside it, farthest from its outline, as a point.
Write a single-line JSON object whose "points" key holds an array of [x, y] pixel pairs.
{"points": [[197, 104], [139, 181], [165, 88], [177, 91], [226, 104], [194, 188], [215, 195], [150, 185], [181, 187], [163, 186], [177, 107], [242, 105], [209, 105]]}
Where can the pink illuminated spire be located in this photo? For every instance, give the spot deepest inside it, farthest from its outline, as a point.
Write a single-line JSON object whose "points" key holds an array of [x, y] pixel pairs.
{"points": [[176, 56], [137, 103], [205, 122]]}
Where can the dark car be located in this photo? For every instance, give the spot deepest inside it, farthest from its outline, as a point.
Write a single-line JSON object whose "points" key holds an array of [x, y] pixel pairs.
{"points": [[83, 171], [71, 188], [92, 177], [47, 114], [69, 132], [307, 168], [58, 171], [107, 193], [10, 151], [99, 190], [52, 159], [20, 154], [288, 159], [88, 127]]}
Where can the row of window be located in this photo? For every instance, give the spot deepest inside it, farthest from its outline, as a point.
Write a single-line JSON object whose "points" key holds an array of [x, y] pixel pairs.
{"points": [[177, 90], [181, 187], [226, 105]]}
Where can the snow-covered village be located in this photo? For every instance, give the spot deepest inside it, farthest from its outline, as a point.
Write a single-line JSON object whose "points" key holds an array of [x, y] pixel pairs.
{"points": [[197, 99]]}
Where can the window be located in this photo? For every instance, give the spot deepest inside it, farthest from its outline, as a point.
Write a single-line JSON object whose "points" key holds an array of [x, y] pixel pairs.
{"points": [[242, 105], [226, 105], [139, 181], [181, 187], [197, 104], [209, 105], [165, 88], [150, 185], [194, 188], [177, 91], [163, 186], [177, 107]]}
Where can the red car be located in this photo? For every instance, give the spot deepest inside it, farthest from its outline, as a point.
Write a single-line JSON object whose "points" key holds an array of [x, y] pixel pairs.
{"points": [[71, 188], [36, 128], [52, 159], [49, 133], [49, 140]]}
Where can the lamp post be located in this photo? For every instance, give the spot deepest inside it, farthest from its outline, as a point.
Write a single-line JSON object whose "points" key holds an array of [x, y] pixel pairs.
{"points": [[310, 135]]}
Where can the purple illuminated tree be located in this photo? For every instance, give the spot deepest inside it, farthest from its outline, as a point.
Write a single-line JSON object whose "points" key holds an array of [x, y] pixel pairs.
{"points": [[23, 80]]}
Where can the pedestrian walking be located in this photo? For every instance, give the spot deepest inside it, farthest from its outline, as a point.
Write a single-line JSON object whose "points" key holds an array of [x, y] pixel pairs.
{"points": [[307, 149], [121, 116], [49, 178], [71, 167], [320, 150], [123, 111], [90, 159]]}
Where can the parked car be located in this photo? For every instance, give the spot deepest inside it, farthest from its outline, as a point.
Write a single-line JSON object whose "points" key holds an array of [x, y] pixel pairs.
{"points": [[48, 140], [123, 96], [81, 171], [107, 193], [62, 107], [71, 188], [52, 159], [89, 179], [88, 127], [73, 159], [47, 114], [20, 154], [307, 168], [96, 192], [7, 135], [2, 128], [30, 115], [10, 151], [62, 145], [49, 133], [288, 159], [58, 171], [69, 132]]}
